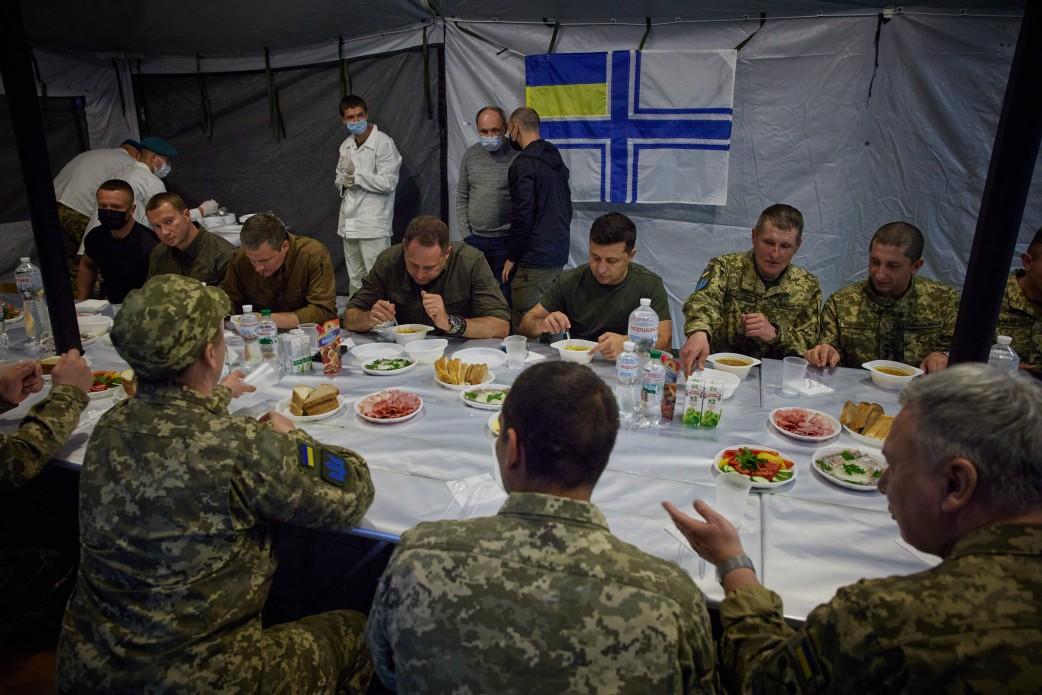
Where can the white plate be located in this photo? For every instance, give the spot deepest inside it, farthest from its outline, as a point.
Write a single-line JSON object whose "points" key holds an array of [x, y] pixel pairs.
{"points": [[372, 351], [386, 421], [490, 357], [867, 441], [107, 393], [493, 424], [283, 409], [486, 387], [388, 372], [94, 325], [758, 486], [836, 427], [825, 451], [464, 387], [15, 321]]}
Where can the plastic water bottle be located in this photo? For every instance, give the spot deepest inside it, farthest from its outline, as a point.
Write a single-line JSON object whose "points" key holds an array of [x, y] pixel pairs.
{"points": [[268, 338], [248, 328], [643, 329], [1002, 355], [652, 384], [34, 304], [627, 371]]}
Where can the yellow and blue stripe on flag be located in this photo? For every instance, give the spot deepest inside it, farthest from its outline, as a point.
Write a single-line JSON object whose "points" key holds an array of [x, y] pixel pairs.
{"points": [[567, 85]]}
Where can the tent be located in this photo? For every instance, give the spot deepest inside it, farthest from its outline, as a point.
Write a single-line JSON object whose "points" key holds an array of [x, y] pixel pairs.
{"points": [[856, 113]]}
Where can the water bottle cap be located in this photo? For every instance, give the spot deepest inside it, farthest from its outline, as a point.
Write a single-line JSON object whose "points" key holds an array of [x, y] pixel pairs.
{"points": [[1005, 340], [628, 346], [247, 308], [656, 354], [645, 301], [265, 312], [24, 259]]}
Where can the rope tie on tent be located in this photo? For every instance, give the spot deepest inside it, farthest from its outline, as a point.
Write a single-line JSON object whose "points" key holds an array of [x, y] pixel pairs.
{"points": [[345, 70], [875, 65], [204, 99], [747, 39], [427, 75], [278, 125], [479, 37], [140, 99], [119, 86], [647, 33], [553, 38]]}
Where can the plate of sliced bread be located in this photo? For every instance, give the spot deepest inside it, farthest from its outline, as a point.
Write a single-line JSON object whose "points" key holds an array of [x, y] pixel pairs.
{"points": [[307, 404], [866, 422]]}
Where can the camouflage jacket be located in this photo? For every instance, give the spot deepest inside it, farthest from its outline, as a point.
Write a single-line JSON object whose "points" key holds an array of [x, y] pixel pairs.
{"points": [[1021, 319], [864, 326], [540, 598], [730, 287], [42, 433], [971, 624], [177, 503]]}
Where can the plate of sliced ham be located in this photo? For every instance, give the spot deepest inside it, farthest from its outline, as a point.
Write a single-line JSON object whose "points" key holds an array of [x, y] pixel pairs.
{"points": [[804, 424], [389, 406]]}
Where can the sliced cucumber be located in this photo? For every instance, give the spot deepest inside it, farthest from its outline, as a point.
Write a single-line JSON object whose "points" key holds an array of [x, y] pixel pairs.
{"points": [[760, 479]]}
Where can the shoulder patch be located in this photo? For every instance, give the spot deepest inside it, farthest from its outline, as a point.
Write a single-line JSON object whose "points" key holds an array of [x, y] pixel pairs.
{"points": [[703, 280], [805, 662], [306, 455], [334, 469]]}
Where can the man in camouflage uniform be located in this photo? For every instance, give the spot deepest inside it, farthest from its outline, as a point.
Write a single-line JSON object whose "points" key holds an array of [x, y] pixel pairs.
{"points": [[541, 597], [894, 314], [178, 503], [964, 482], [34, 581], [755, 303], [1021, 314]]}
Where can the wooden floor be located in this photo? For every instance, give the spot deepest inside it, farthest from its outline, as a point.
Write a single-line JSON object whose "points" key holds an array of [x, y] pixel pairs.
{"points": [[24, 673]]}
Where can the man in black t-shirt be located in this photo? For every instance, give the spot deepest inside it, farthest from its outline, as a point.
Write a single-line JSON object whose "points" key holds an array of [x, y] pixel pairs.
{"points": [[119, 247]]}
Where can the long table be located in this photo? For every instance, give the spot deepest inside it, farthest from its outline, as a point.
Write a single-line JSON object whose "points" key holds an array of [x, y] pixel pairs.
{"points": [[807, 538]]}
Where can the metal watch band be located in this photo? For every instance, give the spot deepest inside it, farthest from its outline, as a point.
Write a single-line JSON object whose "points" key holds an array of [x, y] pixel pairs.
{"points": [[457, 325], [733, 563]]}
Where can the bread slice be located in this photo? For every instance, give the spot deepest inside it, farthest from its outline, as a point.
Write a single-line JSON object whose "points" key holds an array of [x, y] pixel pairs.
{"points": [[477, 373], [871, 416], [322, 399], [849, 414], [297, 400], [880, 428]]}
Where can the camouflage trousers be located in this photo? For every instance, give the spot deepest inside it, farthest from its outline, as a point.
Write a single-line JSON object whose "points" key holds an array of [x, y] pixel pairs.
{"points": [[526, 289], [322, 653], [74, 224]]}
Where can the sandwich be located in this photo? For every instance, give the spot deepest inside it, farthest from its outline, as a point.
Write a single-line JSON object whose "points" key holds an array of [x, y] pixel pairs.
{"points": [[47, 363], [297, 400], [306, 401]]}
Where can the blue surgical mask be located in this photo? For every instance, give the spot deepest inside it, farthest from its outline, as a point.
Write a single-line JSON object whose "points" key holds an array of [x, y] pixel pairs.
{"points": [[358, 127], [163, 170], [492, 143]]}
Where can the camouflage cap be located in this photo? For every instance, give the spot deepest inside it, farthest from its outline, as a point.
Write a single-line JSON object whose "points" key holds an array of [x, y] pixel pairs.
{"points": [[164, 327]]}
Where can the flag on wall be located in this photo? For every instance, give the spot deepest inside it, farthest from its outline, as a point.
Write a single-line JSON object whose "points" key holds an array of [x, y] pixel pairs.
{"points": [[638, 126]]}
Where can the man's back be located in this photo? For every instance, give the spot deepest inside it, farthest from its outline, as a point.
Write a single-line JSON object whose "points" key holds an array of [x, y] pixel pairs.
{"points": [[541, 597], [77, 182]]}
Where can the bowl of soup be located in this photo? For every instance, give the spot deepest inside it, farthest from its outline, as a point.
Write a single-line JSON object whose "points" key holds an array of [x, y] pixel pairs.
{"points": [[733, 362], [575, 350], [890, 374], [405, 333]]}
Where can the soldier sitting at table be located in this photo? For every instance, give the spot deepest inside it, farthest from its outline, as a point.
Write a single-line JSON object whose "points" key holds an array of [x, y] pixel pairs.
{"points": [[755, 303], [427, 278], [291, 275], [187, 249], [894, 314], [178, 506], [964, 482], [594, 301], [1020, 316], [542, 597]]}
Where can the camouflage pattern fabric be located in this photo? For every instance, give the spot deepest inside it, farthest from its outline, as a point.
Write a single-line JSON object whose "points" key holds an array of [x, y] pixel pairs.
{"points": [[177, 505], [74, 226], [43, 431], [864, 326], [1021, 319], [971, 624], [730, 287], [540, 598]]}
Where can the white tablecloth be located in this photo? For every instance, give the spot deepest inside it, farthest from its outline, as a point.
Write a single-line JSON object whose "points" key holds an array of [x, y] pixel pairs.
{"points": [[807, 539]]}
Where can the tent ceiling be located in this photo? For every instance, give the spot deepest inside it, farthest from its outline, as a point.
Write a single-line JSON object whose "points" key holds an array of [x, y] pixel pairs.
{"points": [[227, 27]]}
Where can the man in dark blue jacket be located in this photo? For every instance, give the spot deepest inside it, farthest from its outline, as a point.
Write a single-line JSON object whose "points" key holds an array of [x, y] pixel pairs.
{"points": [[541, 215]]}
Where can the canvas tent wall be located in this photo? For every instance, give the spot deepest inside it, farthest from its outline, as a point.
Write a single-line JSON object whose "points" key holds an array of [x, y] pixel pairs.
{"points": [[806, 131]]}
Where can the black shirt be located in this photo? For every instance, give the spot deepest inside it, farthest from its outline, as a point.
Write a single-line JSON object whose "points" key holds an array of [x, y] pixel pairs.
{"points": [[123, 263]]}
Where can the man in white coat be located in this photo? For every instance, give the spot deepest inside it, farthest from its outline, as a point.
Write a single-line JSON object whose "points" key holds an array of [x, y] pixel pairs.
{"points": [[366, 177]]}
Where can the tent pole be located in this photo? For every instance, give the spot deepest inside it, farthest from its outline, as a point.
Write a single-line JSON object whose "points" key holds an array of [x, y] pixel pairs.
{"points": [[1013, 159], [17, 72]]}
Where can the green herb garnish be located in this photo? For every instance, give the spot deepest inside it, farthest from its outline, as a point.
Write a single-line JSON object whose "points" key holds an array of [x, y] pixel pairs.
{"points": [[471, 395], [853, 469], [847, 455], [747, 460], [825, 465]]}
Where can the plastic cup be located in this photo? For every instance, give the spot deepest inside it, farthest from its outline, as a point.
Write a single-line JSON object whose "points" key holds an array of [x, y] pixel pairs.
{"points": [[517, 350], [311, 331], [263, 376], [794, 369], [732, 489]]}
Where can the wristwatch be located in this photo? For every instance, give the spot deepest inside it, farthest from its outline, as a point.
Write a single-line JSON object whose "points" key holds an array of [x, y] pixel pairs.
{"points": [[734, 562], [457, 326]]}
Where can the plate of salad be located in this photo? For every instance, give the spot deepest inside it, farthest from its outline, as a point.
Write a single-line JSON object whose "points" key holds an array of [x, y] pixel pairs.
{"points": [[488, 397], [12, 314], [387, 366], [766, 467], [105, 384], [850, 467]]}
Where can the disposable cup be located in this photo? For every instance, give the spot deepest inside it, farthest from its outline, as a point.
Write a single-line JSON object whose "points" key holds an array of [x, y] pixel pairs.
{"points": [[732, 489], [794, 369], [517, 350], [263, 375], [311, 330]]}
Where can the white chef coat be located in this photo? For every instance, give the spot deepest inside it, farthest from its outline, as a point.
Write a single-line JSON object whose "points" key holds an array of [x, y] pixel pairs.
{"points": [[76, 185], [366, 210]]}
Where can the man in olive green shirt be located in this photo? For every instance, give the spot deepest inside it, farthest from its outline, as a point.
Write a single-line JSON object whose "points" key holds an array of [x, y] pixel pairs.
{"points": [[427, 278], [186, 248], [273, 269], [894, 314], [1020, 316], [755, 303], [594, 301]]}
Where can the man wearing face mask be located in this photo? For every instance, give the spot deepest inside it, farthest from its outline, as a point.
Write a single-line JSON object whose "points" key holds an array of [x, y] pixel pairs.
{"points": [[143, 174], [366, 178], [483, 194], [119, 247]]}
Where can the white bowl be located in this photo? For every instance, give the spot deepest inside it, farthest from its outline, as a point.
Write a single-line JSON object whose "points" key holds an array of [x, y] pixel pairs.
{"points": [[427, 351], [891, 381], [94, 324], [580, 356], [406, 333], [730, 379], [742, 371], [372, 351]]}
